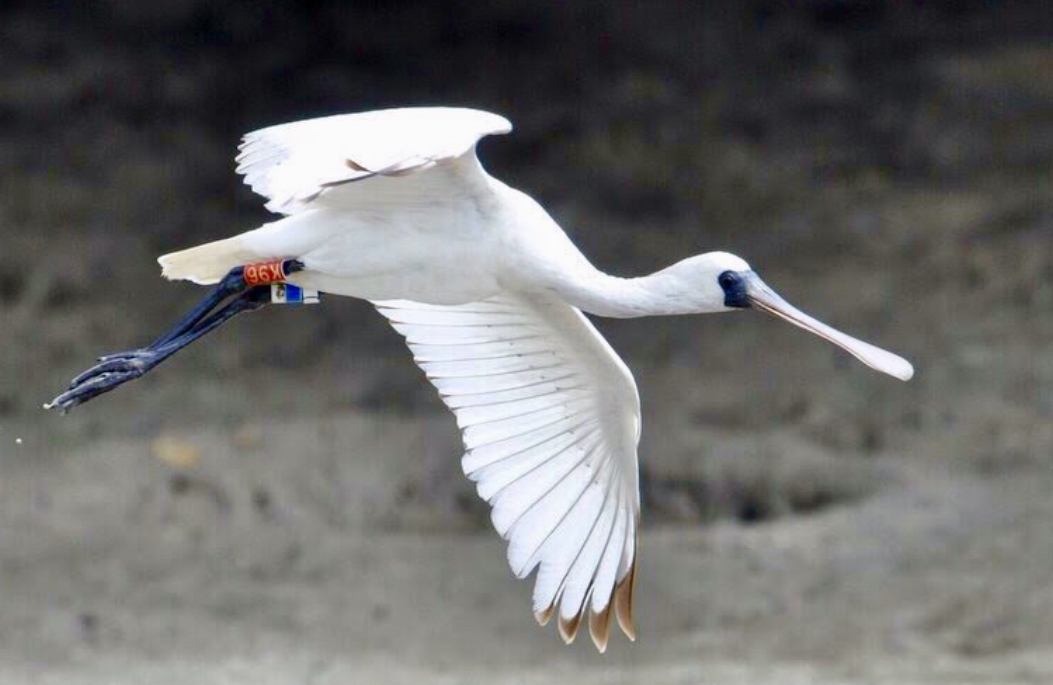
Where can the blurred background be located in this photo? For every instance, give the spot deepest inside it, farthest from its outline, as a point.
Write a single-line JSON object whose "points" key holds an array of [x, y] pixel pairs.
{"points": [[284, 504]]}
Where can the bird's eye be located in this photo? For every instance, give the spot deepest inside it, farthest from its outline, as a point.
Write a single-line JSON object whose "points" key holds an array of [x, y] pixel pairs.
{"points": [[727, 279]]}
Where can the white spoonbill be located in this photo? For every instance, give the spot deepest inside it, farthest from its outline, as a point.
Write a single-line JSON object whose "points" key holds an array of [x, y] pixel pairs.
{"points": [[393, 207]]}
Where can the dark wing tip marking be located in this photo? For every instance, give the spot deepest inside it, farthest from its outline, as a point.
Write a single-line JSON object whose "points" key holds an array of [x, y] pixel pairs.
{"points": [[600, 627], [623, 599], [352, 164]]}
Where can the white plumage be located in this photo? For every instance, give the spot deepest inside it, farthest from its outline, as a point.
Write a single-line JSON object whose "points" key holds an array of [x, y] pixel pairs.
{"points": [[550, 420], [293, 164], [394, 207]]}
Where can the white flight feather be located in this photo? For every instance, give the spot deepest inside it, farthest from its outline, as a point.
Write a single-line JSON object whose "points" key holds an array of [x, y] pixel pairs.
{"points": [[320, 160], [550, 422]]}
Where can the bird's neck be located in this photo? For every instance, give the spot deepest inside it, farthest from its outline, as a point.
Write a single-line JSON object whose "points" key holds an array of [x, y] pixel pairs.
{"points": [[601, 294]]}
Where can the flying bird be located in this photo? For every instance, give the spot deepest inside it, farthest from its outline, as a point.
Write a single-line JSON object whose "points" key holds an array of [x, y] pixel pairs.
{"points": [[488, 291]]}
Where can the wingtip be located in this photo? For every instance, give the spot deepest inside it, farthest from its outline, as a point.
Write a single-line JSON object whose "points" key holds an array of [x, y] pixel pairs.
{"points": [[545, 615], [623, 602], [568, 627], [600, 627], [506, 125]]}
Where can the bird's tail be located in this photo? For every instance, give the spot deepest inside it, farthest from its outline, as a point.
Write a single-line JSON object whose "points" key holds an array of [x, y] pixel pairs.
{"points": [[206, 264]]}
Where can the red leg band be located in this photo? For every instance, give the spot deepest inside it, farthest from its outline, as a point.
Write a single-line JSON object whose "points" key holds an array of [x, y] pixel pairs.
{"points": [[263, 273]]}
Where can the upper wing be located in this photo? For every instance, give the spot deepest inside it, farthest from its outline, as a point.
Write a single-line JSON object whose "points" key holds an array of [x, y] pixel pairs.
{"points": [[550, 419], [320, 160]]}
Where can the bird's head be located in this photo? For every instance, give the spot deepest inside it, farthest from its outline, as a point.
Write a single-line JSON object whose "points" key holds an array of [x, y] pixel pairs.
{"points": [[719, 281]]}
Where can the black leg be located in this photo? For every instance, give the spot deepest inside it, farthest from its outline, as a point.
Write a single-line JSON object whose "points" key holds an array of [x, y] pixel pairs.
{"points": [[232, 284], [119, 368]]}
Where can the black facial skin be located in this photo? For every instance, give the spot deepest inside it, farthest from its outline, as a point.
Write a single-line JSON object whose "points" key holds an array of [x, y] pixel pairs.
{"points": [[734, 286]]}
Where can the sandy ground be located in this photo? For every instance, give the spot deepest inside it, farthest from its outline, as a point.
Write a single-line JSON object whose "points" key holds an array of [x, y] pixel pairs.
{"points": [[114, 562], [284, 505]]}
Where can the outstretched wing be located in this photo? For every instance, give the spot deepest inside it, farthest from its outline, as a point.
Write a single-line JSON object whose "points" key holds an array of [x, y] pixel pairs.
{"points": [[344, 160], [550, 419]]}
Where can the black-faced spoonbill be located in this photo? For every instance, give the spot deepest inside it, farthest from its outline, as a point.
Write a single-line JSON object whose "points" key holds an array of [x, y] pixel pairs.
{"points": [[394, 207]]}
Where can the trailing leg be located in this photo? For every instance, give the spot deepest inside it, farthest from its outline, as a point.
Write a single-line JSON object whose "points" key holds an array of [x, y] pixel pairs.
{"points": [[250, 287]]}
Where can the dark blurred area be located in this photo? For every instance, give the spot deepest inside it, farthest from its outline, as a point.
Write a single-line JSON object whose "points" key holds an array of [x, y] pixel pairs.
{"points": [[886, 165]]}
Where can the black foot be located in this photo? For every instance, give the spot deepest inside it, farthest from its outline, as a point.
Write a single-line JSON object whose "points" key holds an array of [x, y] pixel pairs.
{"points": [[106, 376]]}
